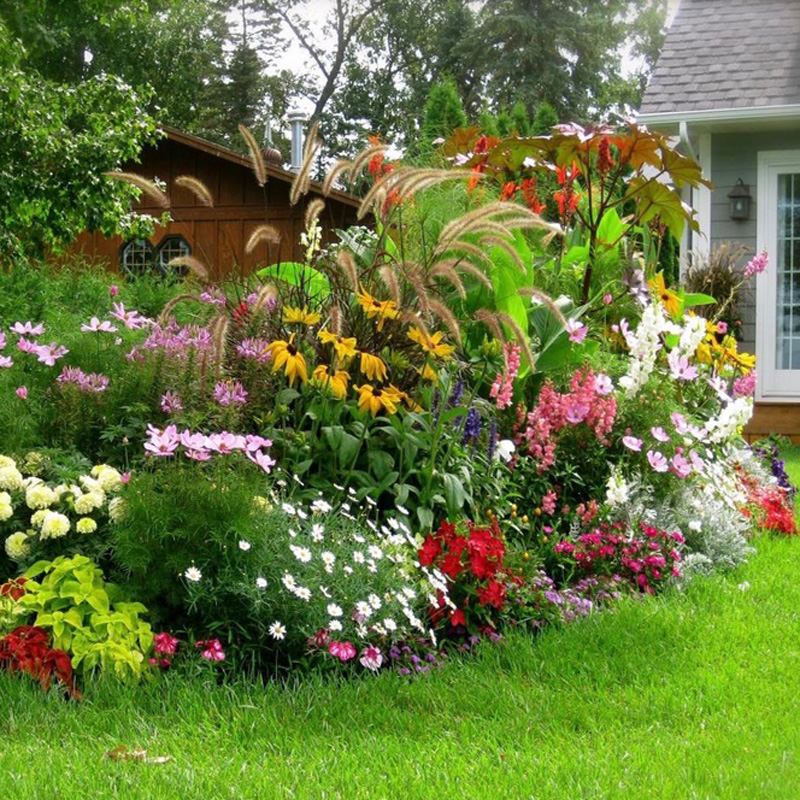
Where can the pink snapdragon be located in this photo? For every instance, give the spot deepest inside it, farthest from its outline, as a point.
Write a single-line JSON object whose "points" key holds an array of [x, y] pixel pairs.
{"points": [[27, 329], [757, 264], [503, 387], [95, 326], [549, 502]]}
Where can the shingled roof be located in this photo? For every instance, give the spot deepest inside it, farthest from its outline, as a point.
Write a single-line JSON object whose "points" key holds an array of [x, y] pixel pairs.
{"points": [[725, 54]]}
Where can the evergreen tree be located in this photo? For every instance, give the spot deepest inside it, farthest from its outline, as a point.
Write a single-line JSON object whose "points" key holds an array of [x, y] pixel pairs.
{"points": [[444, 111]]}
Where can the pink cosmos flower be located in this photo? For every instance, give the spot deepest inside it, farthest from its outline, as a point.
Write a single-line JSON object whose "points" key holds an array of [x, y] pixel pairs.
{"points": [[113, 290], [132, 320], [28, 328], [679, 367], [679, 421], [198, 455], [49, 353], [6, 361], [657, 461], [99, 327], [659, 434], [193, 441], [680, 466], [162, 443], [757, 264], [344, 651], [697, 461], [21, 392], [603, 384], [2, 340], [262, 459], [212, 649], [576, 413], [577, 332], [225, 442], [371, 658], [632, 443], [28, 346], [255, 442], [608, 299], [164, 643]]}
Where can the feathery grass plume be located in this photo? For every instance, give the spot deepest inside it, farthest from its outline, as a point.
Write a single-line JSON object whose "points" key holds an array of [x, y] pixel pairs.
{"points": [[336, 320], [489, 319], [303, 177], [446, 315], [197, 188], [545, 300], [389, 277], [191, 263], [219, 341], [507, 247], [377, 194], [263, 233], [342, 165], [347, 264], [446, 271], [266, 295], [145, 186], [165, 312], [411, 274], [313, 210], [364, 156], [521, 338], [485, 219], [465, 248], [471, 269], [259, 167]]}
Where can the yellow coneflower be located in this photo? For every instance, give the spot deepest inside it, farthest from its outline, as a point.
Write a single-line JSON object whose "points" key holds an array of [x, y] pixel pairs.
{"points": [[286, 355], [428, 373], [744, 361], [337, 382], [670, 301], [300, 316], [345, 348], [383, 309], [375, 399], [408, 401], [373, 366], [432, 343]]}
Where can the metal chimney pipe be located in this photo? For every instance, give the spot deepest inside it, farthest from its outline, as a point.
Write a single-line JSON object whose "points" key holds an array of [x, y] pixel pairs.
{"points": [[297, 119]]}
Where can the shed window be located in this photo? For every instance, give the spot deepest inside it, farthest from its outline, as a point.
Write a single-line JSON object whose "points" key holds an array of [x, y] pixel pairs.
{"points": [[136, 257], [172, 247]]}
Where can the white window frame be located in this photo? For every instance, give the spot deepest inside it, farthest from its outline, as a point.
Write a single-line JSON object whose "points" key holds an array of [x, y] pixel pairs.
{"points": [[773, 385]]}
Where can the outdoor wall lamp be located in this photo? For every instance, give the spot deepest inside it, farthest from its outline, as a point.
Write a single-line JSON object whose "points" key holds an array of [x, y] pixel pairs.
{"points": [[740, 200]]}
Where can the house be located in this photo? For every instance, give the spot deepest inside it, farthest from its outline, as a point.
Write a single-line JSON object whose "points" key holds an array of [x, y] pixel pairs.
{"points": [[728, 84], [215, 235]]}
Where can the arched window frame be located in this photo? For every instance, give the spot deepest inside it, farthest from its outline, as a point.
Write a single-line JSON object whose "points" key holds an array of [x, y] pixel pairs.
{"points": [[165, 245], [136, 247]]}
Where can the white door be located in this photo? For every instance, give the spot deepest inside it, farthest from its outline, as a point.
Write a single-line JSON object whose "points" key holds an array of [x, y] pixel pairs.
{"points": [[778, 289]]}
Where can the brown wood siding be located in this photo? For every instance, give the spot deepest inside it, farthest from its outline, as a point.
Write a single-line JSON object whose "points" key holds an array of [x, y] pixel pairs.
{"points": [[217, 236], [777, 418]]}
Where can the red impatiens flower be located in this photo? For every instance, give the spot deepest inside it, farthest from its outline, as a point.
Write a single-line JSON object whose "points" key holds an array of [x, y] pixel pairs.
{"points": [[492, 595], [457, 618], [430, 549]]}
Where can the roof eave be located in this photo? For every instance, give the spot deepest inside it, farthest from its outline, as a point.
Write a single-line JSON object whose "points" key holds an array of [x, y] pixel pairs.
{"points": [[722, 118]]}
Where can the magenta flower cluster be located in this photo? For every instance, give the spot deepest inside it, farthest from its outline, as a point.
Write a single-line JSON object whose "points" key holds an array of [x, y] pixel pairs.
{"points": [[94, 382], [503, 386], [230, 393]]}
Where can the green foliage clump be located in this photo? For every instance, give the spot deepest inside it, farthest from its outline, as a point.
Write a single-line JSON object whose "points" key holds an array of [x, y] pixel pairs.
{"points": [[444, 111], [88, 617]]}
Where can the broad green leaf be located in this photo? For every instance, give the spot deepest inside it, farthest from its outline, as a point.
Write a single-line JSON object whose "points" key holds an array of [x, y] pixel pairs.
{"points": [[315, 285], [698, 299]]}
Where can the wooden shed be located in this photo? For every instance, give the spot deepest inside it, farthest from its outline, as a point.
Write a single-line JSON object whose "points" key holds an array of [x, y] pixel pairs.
{"points": [[215, 235]]}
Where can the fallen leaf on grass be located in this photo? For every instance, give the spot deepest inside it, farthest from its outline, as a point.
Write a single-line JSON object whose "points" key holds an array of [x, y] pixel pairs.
{"points": [[122, 753]]}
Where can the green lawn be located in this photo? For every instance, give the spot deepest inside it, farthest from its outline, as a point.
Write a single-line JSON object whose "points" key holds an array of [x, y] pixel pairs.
{"points": [[684, 696]]}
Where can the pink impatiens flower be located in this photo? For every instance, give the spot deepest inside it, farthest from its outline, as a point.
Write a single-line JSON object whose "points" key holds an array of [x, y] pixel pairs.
{"points": [[657, 461], [212, 649], [371, 658], [344, 651]]}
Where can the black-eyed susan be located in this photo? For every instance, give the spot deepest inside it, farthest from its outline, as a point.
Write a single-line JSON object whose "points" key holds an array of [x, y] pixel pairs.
{"points": [[383, 309], [670, 301], [428, 373], [744, 361], [300, 316], [345, 348], [372, 366], [407, 400], [377, 398], [337, 382], [431, 344], [285, 355]]}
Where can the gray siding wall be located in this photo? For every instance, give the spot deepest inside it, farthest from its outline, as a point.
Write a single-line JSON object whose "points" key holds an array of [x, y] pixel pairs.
{"points": [[734, 156]]}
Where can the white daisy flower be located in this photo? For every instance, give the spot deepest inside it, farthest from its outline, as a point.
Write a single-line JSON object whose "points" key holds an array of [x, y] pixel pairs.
{"points": [[302, 514], [358, 557], [359, 538], [289, 509], [409, 592], [261, 583], [321, 506], [244, 545], [301, 553], [370, 501], [324, 591], [317, 532], [334, 610], [361, 631], [374, 601], [372, 566], [348, 569], [292, 532], [364, 609], [402, 509], [289, 582], [193, 574], [390, 624], [334, 625], [303, 593], [375, 552], [277, 630], [328, 558]]}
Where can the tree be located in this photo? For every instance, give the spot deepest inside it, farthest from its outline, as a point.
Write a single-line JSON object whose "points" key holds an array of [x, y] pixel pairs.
{"points": [[444, 111], [56, 143]]}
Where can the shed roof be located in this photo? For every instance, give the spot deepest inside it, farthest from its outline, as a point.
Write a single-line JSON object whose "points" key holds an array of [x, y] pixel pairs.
{"points": [[728, 54]]}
